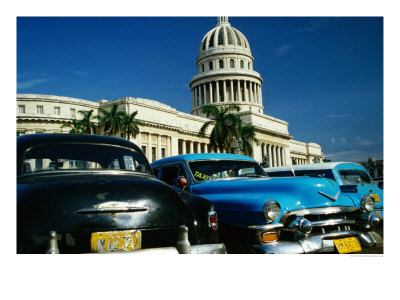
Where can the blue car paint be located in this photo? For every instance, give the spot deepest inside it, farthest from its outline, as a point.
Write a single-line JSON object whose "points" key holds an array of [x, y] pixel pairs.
{"points": [[336, 167], [240, 200]]}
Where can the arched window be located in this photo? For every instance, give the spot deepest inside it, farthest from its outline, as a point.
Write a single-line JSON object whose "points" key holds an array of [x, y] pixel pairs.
{"points": [[202, 67], [232, 63], [210, 65], [221, 64], [249, 66], [242, 64]]}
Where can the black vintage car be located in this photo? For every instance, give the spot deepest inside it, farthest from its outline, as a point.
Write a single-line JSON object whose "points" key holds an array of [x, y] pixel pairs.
{"points": [[88, 193]]}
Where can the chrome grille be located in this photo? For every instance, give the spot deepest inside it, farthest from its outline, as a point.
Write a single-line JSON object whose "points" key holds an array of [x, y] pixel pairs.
{"points": [[325, 220]]}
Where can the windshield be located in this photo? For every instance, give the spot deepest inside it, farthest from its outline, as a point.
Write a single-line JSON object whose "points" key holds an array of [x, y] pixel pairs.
{"points": [[81, 156], [216, 169], [355, 177]]}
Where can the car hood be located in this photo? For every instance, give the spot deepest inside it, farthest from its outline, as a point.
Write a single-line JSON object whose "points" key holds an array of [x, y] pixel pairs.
{"points": [[97, 201], [250, 194]]}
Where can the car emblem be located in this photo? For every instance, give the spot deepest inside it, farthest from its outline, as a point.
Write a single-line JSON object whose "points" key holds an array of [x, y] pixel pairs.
{"points": [[333, 199]]}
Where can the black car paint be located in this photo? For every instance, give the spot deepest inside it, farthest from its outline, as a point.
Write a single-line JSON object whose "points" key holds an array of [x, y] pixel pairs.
{"points": [[54, 201]]}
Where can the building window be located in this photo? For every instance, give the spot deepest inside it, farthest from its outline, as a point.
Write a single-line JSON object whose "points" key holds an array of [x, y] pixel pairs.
{"points": [[144, 149], [39, 109], [202, 67], [153, 154], [210, 65], [21, 109], [162, 152], [249, 66], [57, 110], [242, 64], [72, 112], [232, 63], [221, 64]]}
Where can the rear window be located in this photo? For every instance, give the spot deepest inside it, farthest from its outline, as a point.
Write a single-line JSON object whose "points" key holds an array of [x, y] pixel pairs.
{"points": [[81, 156], [355, 177]]}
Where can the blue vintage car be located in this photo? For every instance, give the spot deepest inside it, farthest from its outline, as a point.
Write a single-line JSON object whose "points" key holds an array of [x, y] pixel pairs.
{"points": [[259, 214], [352, 178]]}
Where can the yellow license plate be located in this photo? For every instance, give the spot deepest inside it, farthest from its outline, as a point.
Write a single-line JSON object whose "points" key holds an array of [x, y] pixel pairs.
{"points": [[376, 197], [116, 240], [347, 245]]}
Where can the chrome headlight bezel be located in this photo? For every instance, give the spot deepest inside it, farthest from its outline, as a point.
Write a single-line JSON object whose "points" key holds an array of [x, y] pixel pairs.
{"points": [[367, 203], [271, 210]]}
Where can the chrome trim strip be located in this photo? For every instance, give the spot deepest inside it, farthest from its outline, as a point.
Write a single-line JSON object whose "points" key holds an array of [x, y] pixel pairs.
{"points": [[318, 211], [111, 210], [333, 222], [265, 227]]}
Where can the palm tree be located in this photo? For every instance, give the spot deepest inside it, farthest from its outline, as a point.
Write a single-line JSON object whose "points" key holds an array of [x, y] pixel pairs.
{"points": [[76, 126], [111, 120], [247, 136], [129, 125], [87, 125], [225, 126]]}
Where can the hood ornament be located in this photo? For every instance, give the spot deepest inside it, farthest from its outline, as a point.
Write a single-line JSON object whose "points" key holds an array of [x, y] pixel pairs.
{"points": [[333, 199]]}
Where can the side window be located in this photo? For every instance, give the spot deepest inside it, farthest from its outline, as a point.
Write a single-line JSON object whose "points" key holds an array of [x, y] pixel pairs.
{"points": [[156, 170], [171, 173]]}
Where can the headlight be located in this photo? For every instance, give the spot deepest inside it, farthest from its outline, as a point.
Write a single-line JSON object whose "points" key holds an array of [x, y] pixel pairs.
{"points": [[271, 210], [367, 203]]}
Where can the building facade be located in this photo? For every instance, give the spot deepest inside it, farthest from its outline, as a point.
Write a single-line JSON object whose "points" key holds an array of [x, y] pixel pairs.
{"points": [[225, 76]]}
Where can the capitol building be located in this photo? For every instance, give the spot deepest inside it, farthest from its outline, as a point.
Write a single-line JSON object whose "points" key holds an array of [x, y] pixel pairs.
{"points": [[225, 76]]}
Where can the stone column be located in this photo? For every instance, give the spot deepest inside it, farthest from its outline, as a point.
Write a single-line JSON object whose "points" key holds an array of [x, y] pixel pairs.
{"points": [[204, 94], [192, 98], [198, 147], [278, 155], [195, 96], [200, 96], [232, 95], [224, 87], [260, 95], [283, 155], [251, 92], [246, 95], [191, 147], [183, 147], [239, 91], [158, 154], [269, 154], [149, 148], [217, 90], [211, 92], [168, 150], [275, 159], [174, 145]]}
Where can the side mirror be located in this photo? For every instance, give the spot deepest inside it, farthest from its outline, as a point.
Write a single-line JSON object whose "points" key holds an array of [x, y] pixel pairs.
{"points": [[182, 182]]}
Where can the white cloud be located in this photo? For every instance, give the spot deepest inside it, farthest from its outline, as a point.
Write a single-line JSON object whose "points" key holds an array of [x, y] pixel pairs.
{"points": [[343, 140], [352, 155], [338, 116], [333, 140], [31, 83], [81, 73], [362, 141], [283, 50]]}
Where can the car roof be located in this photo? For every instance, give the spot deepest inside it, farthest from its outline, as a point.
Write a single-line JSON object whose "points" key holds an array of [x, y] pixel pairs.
{"points": [[29, 140], [318, 166], [202, 156]]}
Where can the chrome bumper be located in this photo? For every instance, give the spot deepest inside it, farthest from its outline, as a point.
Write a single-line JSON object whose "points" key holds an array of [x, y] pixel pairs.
{"points": [[182, 246], [318, 244]]}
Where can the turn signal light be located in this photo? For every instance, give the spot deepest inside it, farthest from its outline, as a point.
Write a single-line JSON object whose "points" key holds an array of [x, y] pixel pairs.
{"points": [[270, 237]]}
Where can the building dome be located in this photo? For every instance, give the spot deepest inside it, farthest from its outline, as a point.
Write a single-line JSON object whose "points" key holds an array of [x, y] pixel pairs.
{"points": [[224, 38], [225, 71]]}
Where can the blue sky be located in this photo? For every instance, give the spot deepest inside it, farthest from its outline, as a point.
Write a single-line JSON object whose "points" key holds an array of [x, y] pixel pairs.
{"points": [[323, 75]]}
